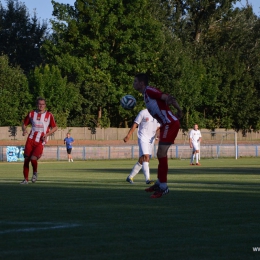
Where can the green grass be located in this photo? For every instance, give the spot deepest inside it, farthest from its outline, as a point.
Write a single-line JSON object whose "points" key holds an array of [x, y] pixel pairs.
{"points": [[86, 210]]}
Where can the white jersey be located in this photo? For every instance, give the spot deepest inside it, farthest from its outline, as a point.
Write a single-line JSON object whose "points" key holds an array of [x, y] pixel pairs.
{"points": [[195, 136], [147, 126]]}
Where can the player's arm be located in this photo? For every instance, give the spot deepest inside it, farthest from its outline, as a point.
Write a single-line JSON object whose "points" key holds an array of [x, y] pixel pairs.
{"points": [[170, 100], [132, 129], [157, 134], [190, 141], [53, 128], [24, 129], [26, 122]]}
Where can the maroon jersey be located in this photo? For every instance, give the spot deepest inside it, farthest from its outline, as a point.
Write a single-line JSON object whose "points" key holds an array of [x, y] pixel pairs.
{"points": [[41, 124], [157, 107]]}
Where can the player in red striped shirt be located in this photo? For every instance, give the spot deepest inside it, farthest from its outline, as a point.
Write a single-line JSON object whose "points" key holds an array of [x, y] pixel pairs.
{"points": [[42, 125], [157, 104]]}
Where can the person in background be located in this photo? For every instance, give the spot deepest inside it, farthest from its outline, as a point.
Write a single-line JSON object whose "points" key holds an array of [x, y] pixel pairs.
{"points": [[43, 125], [147, 128], [69, 141], [157, 104], [195, 139]]}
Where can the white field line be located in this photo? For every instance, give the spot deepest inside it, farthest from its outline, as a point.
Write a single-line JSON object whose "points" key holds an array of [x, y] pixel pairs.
{"points": [[33, 229]]}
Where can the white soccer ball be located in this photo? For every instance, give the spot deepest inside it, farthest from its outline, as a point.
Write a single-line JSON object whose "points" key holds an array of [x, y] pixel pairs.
{"points": [[128, 102]]}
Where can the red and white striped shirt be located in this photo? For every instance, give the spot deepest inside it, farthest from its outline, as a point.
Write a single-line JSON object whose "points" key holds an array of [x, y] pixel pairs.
{"points": [[157, 107], [41, 124]]}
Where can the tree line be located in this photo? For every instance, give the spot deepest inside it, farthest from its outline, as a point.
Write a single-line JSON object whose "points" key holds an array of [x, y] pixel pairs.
{"points": [[206, 53]]}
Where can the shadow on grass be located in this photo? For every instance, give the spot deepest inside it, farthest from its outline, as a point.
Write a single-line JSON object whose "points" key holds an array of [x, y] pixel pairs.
{"points": [[185, 224]]}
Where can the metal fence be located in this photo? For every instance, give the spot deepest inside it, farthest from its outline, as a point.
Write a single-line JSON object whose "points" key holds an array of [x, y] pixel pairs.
{"points": [[132, 152]]}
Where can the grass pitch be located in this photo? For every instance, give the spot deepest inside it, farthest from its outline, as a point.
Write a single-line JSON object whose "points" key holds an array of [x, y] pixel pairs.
{"points": [[86, 210]]}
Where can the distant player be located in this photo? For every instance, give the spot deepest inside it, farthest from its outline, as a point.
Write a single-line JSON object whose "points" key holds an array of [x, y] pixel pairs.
{"points": [[42, 126], [147, 127], [69, 141], [195, 139]]}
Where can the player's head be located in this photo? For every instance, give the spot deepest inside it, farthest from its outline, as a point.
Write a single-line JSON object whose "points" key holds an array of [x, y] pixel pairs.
{"points": [[41, 103], [68, 134], [142, 77], [140, 82], [196, 127]]}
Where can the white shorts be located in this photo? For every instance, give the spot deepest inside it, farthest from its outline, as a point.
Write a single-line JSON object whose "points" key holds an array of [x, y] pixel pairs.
{"points": [[145, 148], [196, 146]]}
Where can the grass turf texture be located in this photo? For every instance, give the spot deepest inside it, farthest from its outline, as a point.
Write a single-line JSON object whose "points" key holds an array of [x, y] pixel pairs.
{"points": [[86, 210]]}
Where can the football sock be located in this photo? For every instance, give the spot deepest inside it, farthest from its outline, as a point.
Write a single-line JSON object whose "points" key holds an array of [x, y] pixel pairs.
{"points": [[197, 157], [34, 165], [137, 167], [163, 185], [192, 158], [146, 171], [163, 169], [26, 168]]}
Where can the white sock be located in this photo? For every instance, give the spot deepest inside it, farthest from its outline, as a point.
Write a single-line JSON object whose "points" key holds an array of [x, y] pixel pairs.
{"points": [[197, 157], [192, 158], [137, 167], [163, 185], [146, 171]]}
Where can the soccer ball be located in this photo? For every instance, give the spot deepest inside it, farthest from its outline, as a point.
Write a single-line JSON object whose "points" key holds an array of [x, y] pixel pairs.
{"points": [[128, 102]]}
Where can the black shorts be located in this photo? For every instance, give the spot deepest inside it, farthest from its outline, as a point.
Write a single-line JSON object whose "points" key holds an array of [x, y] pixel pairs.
{"points": [[69, 150]]}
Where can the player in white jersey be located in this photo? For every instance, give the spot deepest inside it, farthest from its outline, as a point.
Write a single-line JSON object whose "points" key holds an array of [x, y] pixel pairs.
{"points": [[43, 125], [147, 128], [195, 139]]}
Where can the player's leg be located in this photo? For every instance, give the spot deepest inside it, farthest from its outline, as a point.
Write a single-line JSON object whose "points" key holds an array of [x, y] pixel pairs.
{"points": [[71, 155], [168, 134], [26, 164], [146, 151], [192, 157], [137, 167], [68, 154], [36, 155], [196, 151]]}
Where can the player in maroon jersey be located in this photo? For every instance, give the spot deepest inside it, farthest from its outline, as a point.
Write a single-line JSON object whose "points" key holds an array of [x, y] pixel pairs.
{"points": [[42, 125], [157, 104]]}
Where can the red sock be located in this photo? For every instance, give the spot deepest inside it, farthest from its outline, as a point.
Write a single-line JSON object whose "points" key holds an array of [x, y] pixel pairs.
{"points": [[34, 165], [162, 169], [26, 168]]}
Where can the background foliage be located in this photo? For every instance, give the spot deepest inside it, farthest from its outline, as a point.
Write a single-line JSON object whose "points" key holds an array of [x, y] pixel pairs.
{"points": [[206, 53]]}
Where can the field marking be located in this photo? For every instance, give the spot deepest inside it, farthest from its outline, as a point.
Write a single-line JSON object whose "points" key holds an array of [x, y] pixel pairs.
{"points": [[33, 229]]}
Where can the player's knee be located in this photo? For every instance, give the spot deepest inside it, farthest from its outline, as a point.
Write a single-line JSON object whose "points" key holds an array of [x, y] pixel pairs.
{"points": [[146, 157], [34, 157]]}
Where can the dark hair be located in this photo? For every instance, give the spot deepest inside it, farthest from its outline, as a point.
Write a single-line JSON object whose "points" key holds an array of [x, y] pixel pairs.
{"points": [[40, 99], [142, 77]]}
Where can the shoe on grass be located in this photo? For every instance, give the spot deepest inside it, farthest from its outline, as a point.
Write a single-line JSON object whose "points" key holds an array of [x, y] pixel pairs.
{"points": [[153, 188], [34, 177], [159, 193], [130, 180], [149, 182]]}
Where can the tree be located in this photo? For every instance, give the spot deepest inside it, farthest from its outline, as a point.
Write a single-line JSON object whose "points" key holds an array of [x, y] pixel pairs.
{"points": [[233, 45], [15, 99], [100, 45], [21, 37], [61, 96]]}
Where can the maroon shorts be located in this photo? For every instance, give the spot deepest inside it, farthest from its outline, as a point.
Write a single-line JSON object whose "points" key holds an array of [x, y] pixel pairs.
{"points": [[33, 148], [169, 132]]}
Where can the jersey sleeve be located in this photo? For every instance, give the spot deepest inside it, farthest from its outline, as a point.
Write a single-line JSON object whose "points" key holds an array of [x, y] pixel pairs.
{"points": [[26, 120], [139, 118], [52, 121], [190, 134], [154, 93]]}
